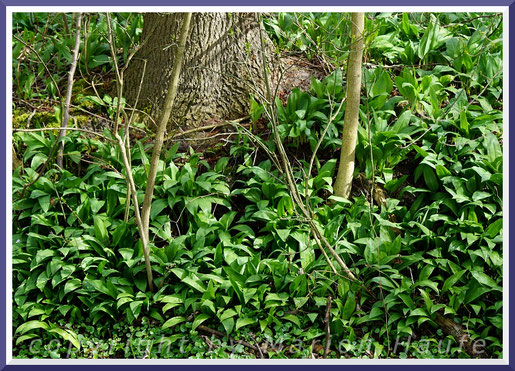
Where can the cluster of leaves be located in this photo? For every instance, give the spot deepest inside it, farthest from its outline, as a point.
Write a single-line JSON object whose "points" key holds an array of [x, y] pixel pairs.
{"points": [[42, 47], [75, 257], [315, 34], [229, 250], [432, 139]]}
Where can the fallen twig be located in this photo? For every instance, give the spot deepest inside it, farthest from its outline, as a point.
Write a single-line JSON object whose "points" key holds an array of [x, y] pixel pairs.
{"points": [[220, 334], [449, 327], [65, 128], [69, 87], [327, 320], [204, 128]]}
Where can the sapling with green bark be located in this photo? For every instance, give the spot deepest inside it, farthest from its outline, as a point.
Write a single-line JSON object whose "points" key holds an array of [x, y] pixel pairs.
{"points": [[343, 183]]}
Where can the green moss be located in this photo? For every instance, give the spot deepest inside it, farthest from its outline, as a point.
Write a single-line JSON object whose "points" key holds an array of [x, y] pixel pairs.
{"points": [[21, 118], [82, 120], [81, 87], [147, 109], [46, 119]]}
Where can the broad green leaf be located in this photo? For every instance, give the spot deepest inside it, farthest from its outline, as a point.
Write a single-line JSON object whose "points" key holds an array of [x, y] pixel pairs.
{"points": [[430, 179], [240, 322], [195, 283], [483, 279], [100, 229], [31, 325], [451, 281], [348, 308], [283, 234], [71, 285], [228, 313], [306, 251], [67, 335], [228, 324], [493, 229], [199, 319], [157, 206], [173, 321], [292, 318]]}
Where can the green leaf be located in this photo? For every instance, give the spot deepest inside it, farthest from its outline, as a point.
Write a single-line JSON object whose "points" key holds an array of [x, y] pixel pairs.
{"points": [[98, 285], [195, 283], [430, 179], [283, 234], [299, 302], [67, 335], [228, 313], [173, 321], [427, 283], [157, 206], [464, 124], [451, 281], [418, 312], [71, 285], [199, 319], [492, 146], [494, 228], [31, 325], [348, 308], [292, 318], [44, 202], [228, 324], [119, 233], [429, 39], [42, 255], [240, 322], [135, 307], [100, 229], [306, 251], [441, 171], [25, 337], [483, 279]]}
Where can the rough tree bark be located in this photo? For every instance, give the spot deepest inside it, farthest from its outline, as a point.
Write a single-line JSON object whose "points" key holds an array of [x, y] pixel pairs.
{"points": [[343, 183], [222, 59]]}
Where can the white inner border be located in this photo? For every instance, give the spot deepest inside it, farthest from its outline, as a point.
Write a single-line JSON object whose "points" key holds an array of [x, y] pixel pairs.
{"points": [[8, 134]]}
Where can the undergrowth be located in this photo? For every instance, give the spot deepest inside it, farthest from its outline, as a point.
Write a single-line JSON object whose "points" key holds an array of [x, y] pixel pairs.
{"points": [[230, 253]]}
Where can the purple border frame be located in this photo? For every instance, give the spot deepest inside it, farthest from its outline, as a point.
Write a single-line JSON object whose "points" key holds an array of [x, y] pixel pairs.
{"points": [[200, 3]]}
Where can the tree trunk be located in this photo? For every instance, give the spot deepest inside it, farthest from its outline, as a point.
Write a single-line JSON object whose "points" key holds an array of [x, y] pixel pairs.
{"points": [[222, 65], [343, 183]]}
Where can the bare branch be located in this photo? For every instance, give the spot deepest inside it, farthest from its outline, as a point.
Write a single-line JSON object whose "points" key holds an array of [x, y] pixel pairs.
{"points": [[69, 87]]}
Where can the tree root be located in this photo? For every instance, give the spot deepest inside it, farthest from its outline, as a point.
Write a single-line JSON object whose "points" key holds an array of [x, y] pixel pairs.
{"points": [[450, 327]]}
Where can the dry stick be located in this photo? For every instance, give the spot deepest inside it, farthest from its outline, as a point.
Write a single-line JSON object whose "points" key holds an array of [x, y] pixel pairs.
{"points": [[204, 128], [42, 62], [71, 73], [143, 235], [312, 160], [65, 23], [128, 121], [126, 162], [119, 75], [127, 139], [317, 234], [260, 143], [159, 138], [449, 327], [327, 320], [219, 334], [65, 128]]}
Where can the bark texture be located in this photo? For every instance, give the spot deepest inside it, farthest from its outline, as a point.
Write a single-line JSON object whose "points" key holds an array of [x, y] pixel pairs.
{"points": [[222, 59], [343, 183]]}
